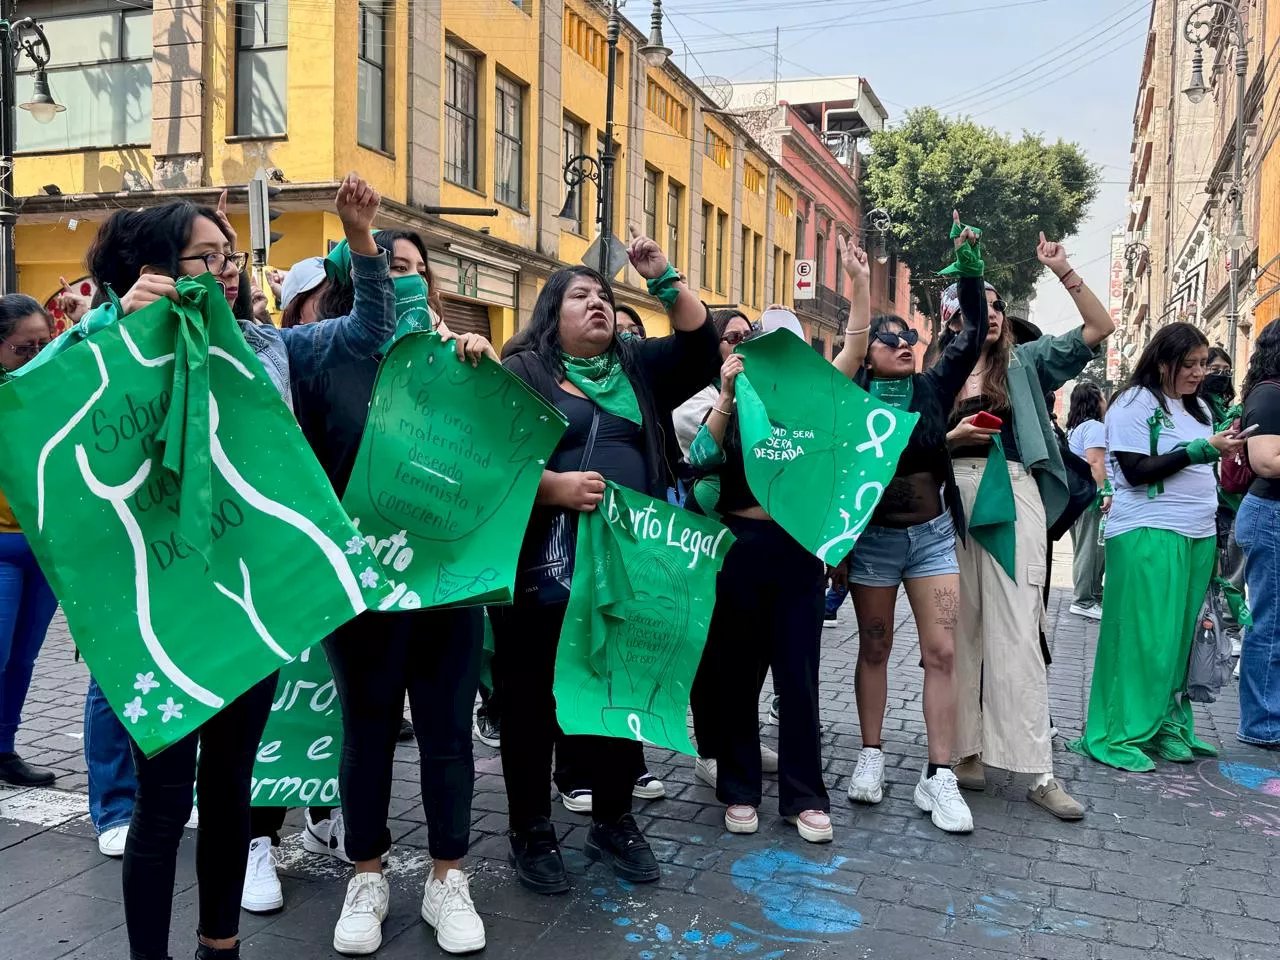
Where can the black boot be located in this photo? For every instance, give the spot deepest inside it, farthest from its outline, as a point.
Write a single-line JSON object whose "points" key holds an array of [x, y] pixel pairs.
{"points": [[623, 847], [17, 772], [535, 853], [206, 952], [406, 730]]}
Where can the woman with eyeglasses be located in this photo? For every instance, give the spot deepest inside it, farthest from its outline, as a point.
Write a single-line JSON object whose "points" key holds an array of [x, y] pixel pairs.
{"points": [[1002, 688], [630, 326], [27, 603], [768, 612], [911, 542], [143, 253]]}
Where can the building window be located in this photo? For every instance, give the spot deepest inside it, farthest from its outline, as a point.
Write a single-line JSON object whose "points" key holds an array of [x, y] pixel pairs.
{"points": [[704, 261], [651, 204], [667, 107], [746, 266], [777, 275], [590, 44], [100, 70], [757, 277], [893, 278], [460, 111], [674, 195], [753, 179], [508, 146], [819, 345], [787, 288], [800, 238], [722, 252], [371, 72], [820, 256], [574, 135], [717, 148], [262, 51], [783, 204]]}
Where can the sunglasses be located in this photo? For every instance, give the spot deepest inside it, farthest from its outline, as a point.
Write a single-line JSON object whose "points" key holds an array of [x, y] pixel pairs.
{"points": [[26, 350], [998, 306], [891, 338], [735, 337]]}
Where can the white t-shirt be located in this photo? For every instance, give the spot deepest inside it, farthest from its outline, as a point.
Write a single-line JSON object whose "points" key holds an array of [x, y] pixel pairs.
{"points": [[1190, 498], [1085, 436]]}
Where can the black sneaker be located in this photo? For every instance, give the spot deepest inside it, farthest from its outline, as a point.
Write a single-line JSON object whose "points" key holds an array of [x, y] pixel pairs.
{"points": [[488, 730], [623, 847], [406, 730], [206, 952], [17, 772], [535, 853]]}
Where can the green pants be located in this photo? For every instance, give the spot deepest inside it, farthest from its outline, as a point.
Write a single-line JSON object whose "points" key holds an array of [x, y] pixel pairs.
{"points": [[1089, 558], [1156, 583]]}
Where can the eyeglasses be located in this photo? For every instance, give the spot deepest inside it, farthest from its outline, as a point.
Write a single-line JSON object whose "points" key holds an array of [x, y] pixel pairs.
{"points": [[25, 351], [216, 263], [998, 306], [892, 338], [734, 337]]}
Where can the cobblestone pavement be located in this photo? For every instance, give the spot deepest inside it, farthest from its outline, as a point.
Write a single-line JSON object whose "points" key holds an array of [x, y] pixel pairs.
{"points": [[1181, 862]]}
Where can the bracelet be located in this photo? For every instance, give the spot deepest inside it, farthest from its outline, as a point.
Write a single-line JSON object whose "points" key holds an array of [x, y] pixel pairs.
{"points": [[854, 333], [723, 413], [1063, 278]]}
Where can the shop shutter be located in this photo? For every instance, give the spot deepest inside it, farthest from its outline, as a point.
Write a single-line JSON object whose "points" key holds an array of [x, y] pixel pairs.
{"points": [[465, 316]]}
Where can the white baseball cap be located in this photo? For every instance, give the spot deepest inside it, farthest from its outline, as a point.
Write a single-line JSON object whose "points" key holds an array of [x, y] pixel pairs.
{"points": [[303, 277]]}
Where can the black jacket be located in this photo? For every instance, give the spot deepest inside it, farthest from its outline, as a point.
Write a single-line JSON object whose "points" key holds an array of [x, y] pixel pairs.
{"points": [[934, 392]]}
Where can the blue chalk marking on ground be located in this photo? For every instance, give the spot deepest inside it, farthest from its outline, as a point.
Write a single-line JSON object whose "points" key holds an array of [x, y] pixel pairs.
{"points": [[794, 892], [663, 933]]}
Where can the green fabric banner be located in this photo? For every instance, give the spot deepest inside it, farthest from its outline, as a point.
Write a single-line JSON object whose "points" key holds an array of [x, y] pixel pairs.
{"points": [[297, 761], [446, 474], [644, 586], [193, 554], [993, 521], [818, 450]]}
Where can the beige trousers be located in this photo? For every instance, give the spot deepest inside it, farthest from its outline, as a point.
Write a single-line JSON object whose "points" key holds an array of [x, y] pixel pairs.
{"points": [[1002, 684]]}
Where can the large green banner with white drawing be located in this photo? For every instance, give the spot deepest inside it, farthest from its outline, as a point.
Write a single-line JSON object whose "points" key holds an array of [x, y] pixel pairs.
{"points": [[446, 474], [189, 533]]}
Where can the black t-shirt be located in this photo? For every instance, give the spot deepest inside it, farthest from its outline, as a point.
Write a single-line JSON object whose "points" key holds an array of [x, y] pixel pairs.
{"points": [[618, 454], [1262, 407], [332, 409], [967, 408]]}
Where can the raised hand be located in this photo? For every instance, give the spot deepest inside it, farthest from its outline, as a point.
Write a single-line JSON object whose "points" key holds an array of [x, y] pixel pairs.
{"points": [[966, 235], [646, 256], [224, 221], [72, 305], [1053, 255], [357, 204], [854, 259]]}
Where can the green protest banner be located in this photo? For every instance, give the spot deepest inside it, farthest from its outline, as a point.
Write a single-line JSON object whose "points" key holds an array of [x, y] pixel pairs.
{"points": [[644, 586], [191, 536], [818, 449], [297, 761], [445, 477]]}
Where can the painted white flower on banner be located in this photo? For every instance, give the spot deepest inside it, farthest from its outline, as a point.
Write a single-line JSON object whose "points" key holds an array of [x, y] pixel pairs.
{"points": [[146, 682], [134, 710], [368, 578], [355, 546], [170, 711]]}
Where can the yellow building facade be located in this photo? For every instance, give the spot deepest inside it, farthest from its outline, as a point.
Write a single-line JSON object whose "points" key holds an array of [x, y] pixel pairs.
{"points": [[463, 113]]}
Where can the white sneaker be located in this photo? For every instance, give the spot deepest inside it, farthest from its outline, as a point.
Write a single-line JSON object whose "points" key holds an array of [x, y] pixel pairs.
{"points": [[1091, 612], [111, 841], [447, 907], [326, 837], [768, 759], [262, 893], [577, 801], [193, 821], [867, 783], [939, 796], [1237, 646], [359, 927], [648, 787], [706, 771]]}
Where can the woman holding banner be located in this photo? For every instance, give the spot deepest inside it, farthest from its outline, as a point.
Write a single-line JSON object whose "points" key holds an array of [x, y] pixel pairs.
{"points": [[911, 542], [143, 252], [618, 396], [769, 607], [432, 655], [1007, 462]]}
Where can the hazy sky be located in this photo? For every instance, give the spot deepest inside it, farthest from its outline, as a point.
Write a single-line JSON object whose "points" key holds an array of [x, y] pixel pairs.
{"points": [[1064, 68]]}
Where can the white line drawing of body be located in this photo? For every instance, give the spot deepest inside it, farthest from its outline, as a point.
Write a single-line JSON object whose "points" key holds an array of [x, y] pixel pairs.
{"points": [[160, 361], [117, 496], [245, 603], [65, 430]]}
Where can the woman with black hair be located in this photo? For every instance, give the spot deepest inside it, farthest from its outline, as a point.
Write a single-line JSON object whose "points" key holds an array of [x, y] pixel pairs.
{"points": [[1258, 532], [911, 543], [1160, 552], [27, 603], [431, 655], [618, 396], [1086, 438], [629, 323], [143, 252]]}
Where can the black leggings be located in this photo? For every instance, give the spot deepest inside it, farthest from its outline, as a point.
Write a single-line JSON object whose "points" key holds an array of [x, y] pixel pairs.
{"points": [[769, 608], [269, 821], [435, 656], [228, 743], [526, 637]]}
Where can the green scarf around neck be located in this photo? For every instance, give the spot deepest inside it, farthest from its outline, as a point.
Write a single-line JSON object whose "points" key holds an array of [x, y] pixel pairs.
{"points": [[895, 392], [603, 381]]}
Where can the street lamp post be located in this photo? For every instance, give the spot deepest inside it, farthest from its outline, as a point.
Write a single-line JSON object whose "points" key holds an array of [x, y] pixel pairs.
{"points": [[879, 222], [582, 168], [17, 36], [1197, 29]]}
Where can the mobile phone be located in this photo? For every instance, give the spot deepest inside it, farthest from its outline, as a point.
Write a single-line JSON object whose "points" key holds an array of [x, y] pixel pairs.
{"points": [[987, 421], [1253, 428]]}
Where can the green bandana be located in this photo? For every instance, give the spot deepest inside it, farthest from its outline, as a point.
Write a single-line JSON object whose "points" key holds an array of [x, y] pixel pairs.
{"points": [[605, 383], [993, 520], [893, 392], [968, 261], [413, 315]]}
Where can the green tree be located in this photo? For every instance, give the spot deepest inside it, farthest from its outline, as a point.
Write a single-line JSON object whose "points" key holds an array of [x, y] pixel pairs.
{"points": [[929, 165]]}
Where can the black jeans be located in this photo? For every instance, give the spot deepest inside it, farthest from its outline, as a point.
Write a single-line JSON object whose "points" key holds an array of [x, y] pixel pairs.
{"points": [[706, 700], [228, 743], [526, 637], [769, 606], [435, 656]]}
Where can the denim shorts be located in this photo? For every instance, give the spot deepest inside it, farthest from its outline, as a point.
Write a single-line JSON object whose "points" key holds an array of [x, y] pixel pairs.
{"points": [[886, 556]]}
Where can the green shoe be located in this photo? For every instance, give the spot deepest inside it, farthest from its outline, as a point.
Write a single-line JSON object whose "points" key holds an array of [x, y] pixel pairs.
{"points": [[1173, 750]]}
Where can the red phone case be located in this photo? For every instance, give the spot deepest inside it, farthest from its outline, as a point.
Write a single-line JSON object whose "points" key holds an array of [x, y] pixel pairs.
{"points": [[987, 421]]}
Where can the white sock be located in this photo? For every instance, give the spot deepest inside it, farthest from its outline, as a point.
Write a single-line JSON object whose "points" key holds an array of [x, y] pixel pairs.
{"points": [[1042, 779], [876, 749]]}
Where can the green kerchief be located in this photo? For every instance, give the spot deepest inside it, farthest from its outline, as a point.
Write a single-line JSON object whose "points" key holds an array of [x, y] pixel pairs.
{"points": [[893, 392], [605, 383], [413, 315], [968, 261], [993, 522]]}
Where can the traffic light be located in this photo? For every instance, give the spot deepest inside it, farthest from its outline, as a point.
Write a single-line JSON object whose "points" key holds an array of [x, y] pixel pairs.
{"points": [[261, 236]]}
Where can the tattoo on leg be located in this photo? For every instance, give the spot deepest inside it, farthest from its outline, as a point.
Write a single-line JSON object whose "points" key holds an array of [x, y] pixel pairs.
{"points": [[876, 629], [947, 603]]}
